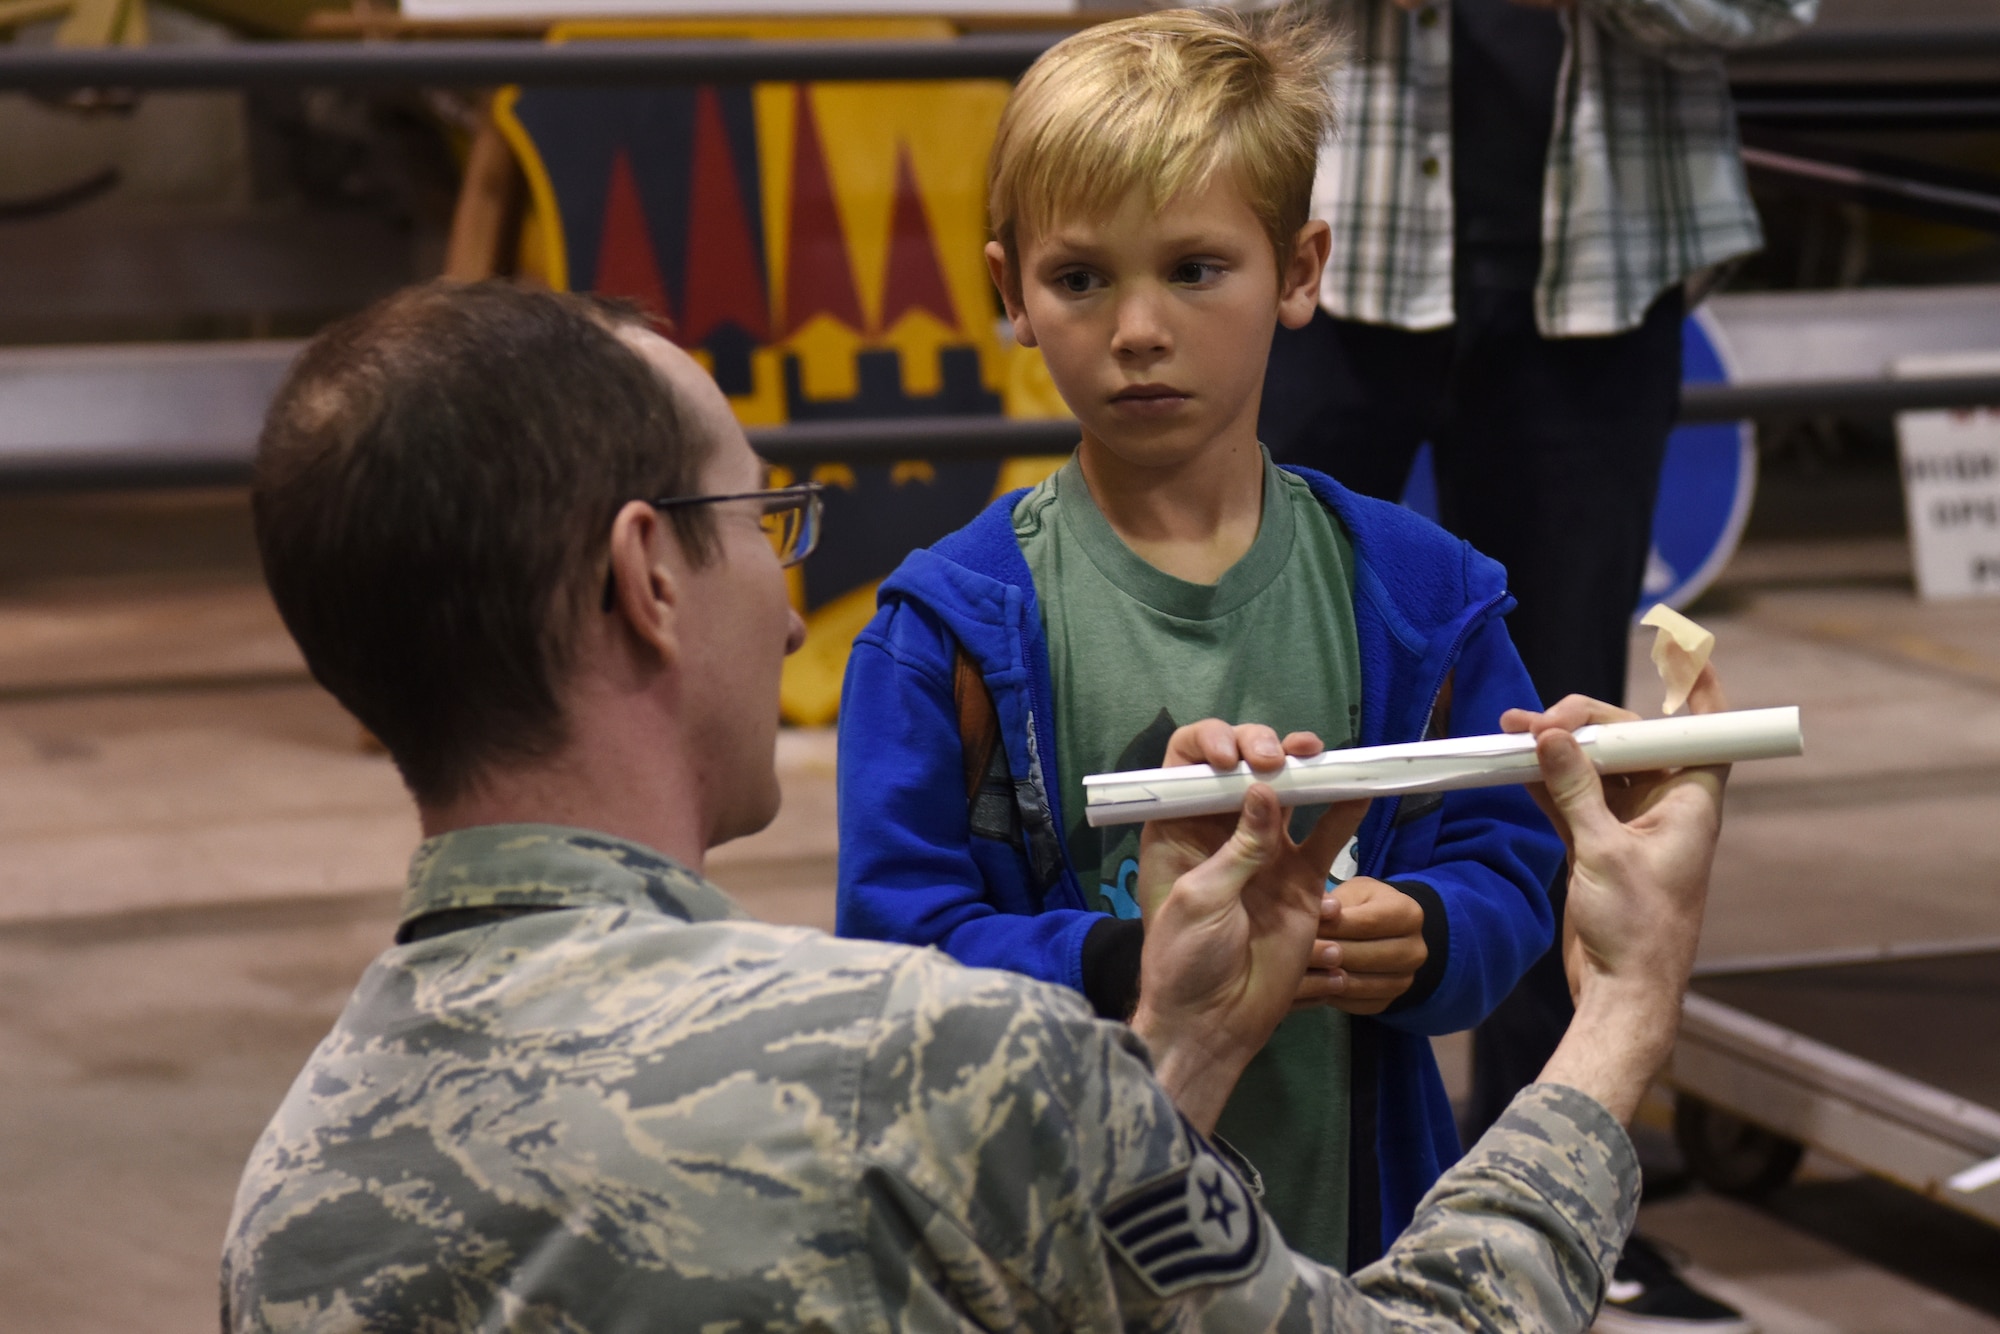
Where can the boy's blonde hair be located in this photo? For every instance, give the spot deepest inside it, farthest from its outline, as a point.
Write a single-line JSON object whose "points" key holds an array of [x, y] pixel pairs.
{"points": [[1159, 104]]}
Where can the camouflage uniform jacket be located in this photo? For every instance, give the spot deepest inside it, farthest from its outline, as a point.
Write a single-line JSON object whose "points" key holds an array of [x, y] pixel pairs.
{"points": [[646, 1111]]}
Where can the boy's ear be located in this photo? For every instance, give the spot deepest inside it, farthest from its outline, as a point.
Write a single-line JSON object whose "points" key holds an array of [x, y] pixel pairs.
{"points": [[1008, 283], [1298, 287]]}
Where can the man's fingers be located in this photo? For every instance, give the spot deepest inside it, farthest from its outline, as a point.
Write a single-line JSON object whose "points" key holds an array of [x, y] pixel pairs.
{"points": [[1572, 783], [1540, 793], [1260, 746], [1336, 824], [1259, 838], [1303, 745], [1574, 711], [1706, 694], [1214, 742]]}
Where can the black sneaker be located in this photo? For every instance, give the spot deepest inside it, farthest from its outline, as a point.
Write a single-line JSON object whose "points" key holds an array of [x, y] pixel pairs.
{"points": [[1648, 1296]]}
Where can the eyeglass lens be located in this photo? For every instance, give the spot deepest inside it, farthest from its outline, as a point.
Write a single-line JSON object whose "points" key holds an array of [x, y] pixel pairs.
{"points": [[792, 525]]}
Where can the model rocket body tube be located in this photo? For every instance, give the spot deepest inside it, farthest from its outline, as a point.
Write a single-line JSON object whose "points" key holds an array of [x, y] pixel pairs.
{"points": [[1443, 766]]}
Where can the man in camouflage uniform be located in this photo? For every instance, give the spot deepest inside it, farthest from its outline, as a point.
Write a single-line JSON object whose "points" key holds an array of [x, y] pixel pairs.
{"points": [[584, 1092]]}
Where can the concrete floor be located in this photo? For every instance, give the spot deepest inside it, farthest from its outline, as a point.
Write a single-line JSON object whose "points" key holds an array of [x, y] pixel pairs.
{"points": [[201, 859]]}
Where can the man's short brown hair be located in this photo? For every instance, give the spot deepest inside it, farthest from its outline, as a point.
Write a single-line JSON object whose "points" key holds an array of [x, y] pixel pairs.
{"points": [[433, 498]]}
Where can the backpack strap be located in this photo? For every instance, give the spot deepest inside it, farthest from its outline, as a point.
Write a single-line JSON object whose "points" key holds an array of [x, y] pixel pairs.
{"points": [[1440, 719], [1439, 725], [989, 787]]}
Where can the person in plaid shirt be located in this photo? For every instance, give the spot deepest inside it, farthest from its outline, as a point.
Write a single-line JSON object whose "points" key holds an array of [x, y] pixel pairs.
{"points": [[1523, 197]]}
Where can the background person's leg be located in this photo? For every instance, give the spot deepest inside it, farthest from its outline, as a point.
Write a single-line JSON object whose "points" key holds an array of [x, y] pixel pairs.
{"points": [[1354, 400], [1550, 464]]}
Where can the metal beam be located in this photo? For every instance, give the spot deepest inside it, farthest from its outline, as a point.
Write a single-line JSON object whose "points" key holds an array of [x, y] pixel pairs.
{"points": [[487, 63], [1810, 107], [190, 412], [1978, 40], [1882, 395], [483, 63], [888, 441]]}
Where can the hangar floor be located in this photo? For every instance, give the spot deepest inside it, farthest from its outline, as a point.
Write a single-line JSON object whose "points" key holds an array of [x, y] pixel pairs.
{"points": [[200, 859]]}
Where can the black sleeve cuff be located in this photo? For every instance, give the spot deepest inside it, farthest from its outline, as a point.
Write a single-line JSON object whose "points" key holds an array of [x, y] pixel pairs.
{"points": [[1111, 966], [1437, 945]]}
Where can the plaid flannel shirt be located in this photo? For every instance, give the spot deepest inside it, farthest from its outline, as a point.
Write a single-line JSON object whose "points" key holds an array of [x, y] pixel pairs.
{"points": [[1644, 185]]}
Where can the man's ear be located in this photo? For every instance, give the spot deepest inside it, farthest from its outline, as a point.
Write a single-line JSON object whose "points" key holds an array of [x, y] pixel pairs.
{"points": [[645, 593], [1298, 286], [1008, 283]]}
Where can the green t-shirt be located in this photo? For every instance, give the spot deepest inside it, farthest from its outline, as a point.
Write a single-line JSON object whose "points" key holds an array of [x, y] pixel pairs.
{"points": [[1135, 653]]}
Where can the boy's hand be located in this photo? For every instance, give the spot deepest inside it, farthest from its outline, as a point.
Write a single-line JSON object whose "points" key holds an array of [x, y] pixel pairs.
{"points": [[1370, 946]]}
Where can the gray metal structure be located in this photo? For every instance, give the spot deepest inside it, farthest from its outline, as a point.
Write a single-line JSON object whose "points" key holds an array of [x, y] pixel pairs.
{"points": [[1888, 1060], [136, 414], [190, 412], [474, 63]]}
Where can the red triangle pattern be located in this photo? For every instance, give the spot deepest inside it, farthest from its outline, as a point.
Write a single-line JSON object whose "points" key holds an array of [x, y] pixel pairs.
{"points": [[915, 279], [818, 278], [626, 264], [724, 284]]}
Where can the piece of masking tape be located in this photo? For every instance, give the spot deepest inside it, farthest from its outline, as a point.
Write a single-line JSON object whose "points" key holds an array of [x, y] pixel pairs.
{"points": [[1680, 651]]}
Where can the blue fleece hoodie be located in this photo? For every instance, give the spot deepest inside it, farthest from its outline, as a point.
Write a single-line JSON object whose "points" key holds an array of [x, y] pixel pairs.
{"points": [[1434, 651]]}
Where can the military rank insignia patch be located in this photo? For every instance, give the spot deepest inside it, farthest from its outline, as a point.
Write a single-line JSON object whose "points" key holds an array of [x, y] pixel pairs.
{"points": [[1196, 1225]]}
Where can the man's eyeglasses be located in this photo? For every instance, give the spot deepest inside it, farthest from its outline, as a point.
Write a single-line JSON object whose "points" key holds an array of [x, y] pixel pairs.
{"points": [[789, 515]]}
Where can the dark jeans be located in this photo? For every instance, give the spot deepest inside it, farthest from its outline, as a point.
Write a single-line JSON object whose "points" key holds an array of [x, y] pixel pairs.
{"points": [[1547, 453]]}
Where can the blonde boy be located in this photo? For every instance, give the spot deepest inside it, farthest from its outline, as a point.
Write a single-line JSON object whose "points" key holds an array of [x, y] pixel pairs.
{"points": [[1149, 197]]}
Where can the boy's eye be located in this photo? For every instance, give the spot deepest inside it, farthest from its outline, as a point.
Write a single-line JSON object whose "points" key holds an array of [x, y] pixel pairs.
{"points": [[1076, 281], [1194, 272]]}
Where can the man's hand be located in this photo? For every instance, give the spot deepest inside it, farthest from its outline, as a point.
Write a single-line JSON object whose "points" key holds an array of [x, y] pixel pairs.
{"points": [[1370, 946], [1169, 849], [1229, 934], [1627, 795], [1640, 850]]}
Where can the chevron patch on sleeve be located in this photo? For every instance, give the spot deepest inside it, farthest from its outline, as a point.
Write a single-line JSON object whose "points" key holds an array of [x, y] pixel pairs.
{"points": [[1195, 1226]]}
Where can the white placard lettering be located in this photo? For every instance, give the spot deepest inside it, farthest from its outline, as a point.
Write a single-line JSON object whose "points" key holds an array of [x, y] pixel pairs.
{"points": [[1951, 486]]}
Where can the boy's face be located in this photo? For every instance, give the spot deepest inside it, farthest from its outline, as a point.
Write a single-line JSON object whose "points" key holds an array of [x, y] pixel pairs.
{"points": [[1156, 325]]}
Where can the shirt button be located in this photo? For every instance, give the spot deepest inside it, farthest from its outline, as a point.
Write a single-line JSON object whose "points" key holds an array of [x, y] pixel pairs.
{"points": [[1430, 166], [1427, 18]]}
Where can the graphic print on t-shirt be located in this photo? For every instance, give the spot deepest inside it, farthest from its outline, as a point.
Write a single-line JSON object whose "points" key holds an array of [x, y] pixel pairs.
{"points": [[1147, 750]]}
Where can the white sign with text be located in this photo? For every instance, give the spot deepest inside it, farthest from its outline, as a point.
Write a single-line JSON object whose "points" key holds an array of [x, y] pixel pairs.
{"points": [[1951, 485]]}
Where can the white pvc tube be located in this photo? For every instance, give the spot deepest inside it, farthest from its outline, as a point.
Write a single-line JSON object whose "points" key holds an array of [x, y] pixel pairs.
{"points": [[1442, 766]]}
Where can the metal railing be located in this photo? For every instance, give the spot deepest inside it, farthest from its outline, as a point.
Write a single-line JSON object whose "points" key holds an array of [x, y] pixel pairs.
{"points": [[489, 62], [481, 63], [940, 439], [862, 442], [987, 55]]}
